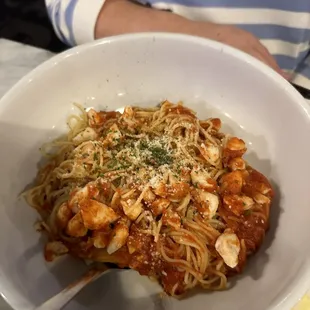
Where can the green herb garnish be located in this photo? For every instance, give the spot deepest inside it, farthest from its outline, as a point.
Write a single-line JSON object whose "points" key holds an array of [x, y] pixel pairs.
{"points": [[159, 156], [143, 145], [247, 212]]}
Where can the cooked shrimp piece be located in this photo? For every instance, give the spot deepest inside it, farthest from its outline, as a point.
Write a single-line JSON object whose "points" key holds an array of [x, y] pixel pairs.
{"points": [[85, 135], [131, 208], [94, 118], [202, 179], [91, 190], [128, 118], [113, 136], [54, 249], [75, 227], [210, 152], [159, 205], [149, 196], [231, 183], [255, 183], [100, 239], [233, 148], [96, 215], [228, 246], [238, 203], [177, 191], [161, 189], [185, 175], [119, 236], [171, 218], [236, 164], [207, 203], [261, 199], [63, 216], [216, 123], [77, 196]]}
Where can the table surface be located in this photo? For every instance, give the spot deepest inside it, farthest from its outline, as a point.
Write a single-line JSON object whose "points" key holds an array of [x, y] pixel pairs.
{"points": [[16, 60]]}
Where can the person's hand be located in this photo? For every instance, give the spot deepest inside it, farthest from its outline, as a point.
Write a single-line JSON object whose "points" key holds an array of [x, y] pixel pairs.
{"points": [[243, 41]]}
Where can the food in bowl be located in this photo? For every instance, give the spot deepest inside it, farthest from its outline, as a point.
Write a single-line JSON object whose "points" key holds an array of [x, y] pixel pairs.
{"points": [[156, 190]]}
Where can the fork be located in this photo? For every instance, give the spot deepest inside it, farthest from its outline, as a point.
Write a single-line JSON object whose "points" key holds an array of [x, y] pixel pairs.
{"points": [[58, 301]]}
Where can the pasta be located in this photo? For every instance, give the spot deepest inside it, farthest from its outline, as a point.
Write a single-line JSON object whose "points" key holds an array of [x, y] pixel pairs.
{"points": [[156, 190]]}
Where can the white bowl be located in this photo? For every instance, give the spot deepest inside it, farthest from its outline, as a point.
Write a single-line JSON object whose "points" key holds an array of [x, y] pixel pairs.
{"points": [[254, 102]]}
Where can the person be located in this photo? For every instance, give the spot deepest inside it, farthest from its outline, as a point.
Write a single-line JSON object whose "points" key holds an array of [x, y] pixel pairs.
{"points": [[276, 32]]}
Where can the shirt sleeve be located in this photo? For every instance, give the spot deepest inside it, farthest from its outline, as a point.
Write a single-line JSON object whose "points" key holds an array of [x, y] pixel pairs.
{"points": [[74, 21]]}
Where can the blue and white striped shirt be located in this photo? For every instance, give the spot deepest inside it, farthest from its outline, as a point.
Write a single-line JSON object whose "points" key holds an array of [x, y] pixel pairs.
{"points": [[283, 26]]}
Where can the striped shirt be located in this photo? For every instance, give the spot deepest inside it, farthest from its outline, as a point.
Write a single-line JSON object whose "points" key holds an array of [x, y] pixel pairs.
{"points": [[283, 26]]}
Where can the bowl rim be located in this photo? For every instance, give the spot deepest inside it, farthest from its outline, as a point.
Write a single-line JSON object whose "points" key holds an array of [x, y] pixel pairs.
{"points": [[277, 79], [204, 42]]}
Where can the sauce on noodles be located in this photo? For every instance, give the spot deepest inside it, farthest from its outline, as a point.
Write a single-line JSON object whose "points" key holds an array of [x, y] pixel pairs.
{"points": [[156, 190]]}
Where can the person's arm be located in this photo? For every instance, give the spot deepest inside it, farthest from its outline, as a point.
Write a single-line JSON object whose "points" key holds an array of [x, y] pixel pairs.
{"points": [[79, 21], [123, 16]]}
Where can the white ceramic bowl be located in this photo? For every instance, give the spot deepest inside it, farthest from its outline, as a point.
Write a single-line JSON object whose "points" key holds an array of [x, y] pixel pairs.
{"points": [[254, 103]]}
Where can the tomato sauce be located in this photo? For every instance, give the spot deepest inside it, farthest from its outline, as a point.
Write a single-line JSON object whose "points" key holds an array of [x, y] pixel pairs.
{"points": [[249, 227]]}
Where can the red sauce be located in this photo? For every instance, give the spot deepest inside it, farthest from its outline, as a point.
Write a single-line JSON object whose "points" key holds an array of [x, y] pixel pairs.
{"points": [[226, 215], [85, 246], [104, 190], [171, 218], [185, 174], [105, 116], [252, 230], [170, 276], [249, 227], [179, 109], [93, 191], [178, 190], [158, 206], [213, 186], [257, 183], [146, 259], [234, 204]]}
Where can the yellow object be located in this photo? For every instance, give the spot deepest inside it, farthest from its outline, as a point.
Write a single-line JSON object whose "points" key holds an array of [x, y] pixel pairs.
{"points": [[304, 303]]}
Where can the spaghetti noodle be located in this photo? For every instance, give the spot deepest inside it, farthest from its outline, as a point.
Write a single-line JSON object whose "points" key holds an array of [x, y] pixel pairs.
{"points": [[156, 190]]}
